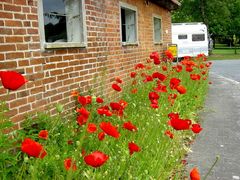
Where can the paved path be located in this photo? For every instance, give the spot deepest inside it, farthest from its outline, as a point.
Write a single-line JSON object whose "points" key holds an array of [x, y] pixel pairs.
{"points": [[221, 128]]}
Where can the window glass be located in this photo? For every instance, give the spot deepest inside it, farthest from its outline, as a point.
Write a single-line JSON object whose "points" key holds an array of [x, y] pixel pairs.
{"points": [[182, 36], [198, 37], [128, 25], [62, 20], [157, 29]]}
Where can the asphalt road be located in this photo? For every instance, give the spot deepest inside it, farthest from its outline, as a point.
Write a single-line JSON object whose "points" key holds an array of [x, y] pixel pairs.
{"points": [[220, 120], [227, 68]]}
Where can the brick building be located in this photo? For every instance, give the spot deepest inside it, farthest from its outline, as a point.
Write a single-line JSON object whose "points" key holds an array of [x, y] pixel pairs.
{"points": [[60, 46]]}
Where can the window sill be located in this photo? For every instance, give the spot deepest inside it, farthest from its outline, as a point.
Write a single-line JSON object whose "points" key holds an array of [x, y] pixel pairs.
{"points": [[64, 45], [158, 43], [130, 43]]}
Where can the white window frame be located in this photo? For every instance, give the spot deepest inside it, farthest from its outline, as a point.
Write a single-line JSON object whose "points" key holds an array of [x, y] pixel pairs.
{"points": [[56, 45], [161, 30], [133, 8]]}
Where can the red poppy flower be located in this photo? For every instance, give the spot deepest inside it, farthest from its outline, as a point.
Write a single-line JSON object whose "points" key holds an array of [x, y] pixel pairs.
{"points": [[81, 120], [139, 66], [194, 174], [99, 100], [133, 74], [116, 87], [177, 123], [161, 88], [82, 100], [201, 66], [101, 136], [154, 105], [208, 64], [181, 89], [155, 57], [115, 106], [174, 82], [148, 79], [169, 134], [96, 159], [178, 68], [123, 103], [43, 134], [129, 126], [195, 77], [196, 128], [153, 96], [12, 80], [189, 68], [169, 54], [109, 129], [160, 76], [83, 111], [164, 68], [33, 148], [104, 110], [68, 164], [203, 72], [133, 148], [91, 128], [118, 80]]}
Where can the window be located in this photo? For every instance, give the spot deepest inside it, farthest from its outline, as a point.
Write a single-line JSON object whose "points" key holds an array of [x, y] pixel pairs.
{"points": [[182, 36], [128, 24], [62, 23], [198, 37], [157, 25]]}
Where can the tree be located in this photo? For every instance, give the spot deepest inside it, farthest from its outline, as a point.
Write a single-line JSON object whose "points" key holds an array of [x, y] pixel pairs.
{"points": [[221, 17]]}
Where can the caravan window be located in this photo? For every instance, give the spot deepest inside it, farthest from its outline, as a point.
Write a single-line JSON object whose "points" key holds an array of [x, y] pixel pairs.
{"points": [[182, 36], [198, 37]]}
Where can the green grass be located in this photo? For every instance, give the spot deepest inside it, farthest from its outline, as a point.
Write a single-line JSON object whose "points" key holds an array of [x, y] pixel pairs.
{"points": [[224, 53]]}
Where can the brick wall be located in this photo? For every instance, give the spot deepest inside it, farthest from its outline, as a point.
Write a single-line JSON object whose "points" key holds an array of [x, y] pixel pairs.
{"points": [[53, 74]]}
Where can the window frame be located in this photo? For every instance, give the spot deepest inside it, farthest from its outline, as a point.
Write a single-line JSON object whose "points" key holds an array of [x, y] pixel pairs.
{"points": [[133, 8], [161, 30], [57, 45]]}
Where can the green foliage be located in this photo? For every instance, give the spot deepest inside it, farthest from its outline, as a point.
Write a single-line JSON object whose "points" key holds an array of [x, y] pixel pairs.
{"points": [[221, 17]]}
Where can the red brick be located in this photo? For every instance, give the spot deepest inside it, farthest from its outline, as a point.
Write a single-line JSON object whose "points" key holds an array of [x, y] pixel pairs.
{"points": [[4, 48], [6, 15], [22, 46], [18, 102], [12, 8], [13, 23], [14, 39], [19, 31], [20, 16], [5, 31], [8, 64], [20, 2], [14, 55], [23, 63]]}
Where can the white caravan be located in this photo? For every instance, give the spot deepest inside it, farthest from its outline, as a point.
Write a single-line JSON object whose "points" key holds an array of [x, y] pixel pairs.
{"points": [[191, 38]]}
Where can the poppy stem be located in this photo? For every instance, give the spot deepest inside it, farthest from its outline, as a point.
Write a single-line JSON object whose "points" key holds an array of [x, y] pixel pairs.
{"points": [[215, 162]]}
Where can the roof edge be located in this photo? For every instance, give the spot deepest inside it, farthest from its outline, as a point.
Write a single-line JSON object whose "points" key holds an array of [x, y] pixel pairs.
{"points": [[168, 4]]}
